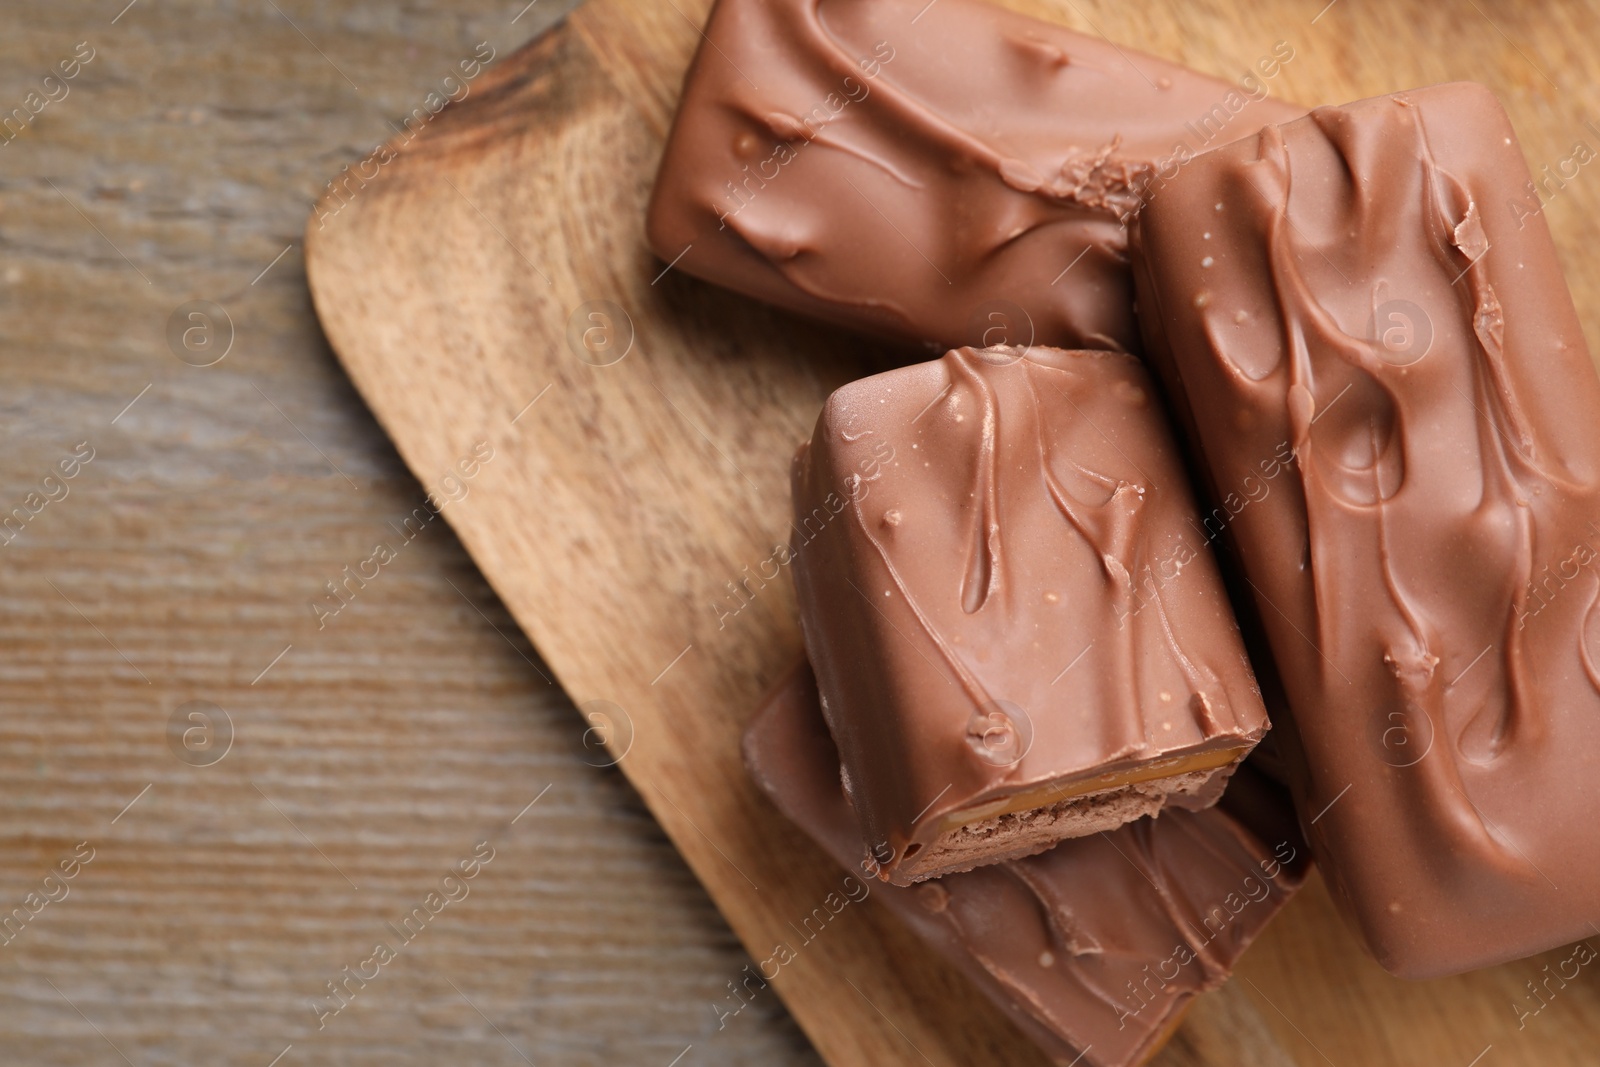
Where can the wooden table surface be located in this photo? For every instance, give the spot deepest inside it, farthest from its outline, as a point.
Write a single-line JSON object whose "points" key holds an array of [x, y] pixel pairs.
{"points": [[380, 749]]}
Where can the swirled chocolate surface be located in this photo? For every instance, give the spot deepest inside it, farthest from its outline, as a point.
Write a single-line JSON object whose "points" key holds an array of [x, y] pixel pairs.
{"points": [[951, 172], [1018, 630], [1373, 291]]}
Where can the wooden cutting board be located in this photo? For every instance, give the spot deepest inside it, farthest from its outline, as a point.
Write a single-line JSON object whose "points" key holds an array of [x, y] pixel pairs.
{"points": [[625, 501]]}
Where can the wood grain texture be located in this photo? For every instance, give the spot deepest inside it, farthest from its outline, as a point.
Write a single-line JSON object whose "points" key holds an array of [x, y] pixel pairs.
{"points": [[385, 745], [630, 495]]}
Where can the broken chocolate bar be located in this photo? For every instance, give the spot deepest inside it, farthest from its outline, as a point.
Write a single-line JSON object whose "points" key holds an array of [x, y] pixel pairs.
{"points": [[952, 173], [1371, 293], [1094, 949], [1018, 632]]}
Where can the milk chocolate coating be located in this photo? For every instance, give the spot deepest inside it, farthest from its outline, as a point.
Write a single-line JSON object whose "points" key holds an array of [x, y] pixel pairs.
{"points": [[1095, 948], [953, 173], [1372, 289], [1003, 587]]}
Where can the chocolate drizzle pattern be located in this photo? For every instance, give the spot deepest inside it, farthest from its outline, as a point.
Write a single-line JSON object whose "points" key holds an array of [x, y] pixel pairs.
{"points": [[851, 174], [1111, 528], [1094, 948], [1040, 516], [1336, 499], [1367, 298]]}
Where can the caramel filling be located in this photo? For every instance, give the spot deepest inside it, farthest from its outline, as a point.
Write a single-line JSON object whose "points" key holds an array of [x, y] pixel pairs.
{"points": [[1054, 792]]}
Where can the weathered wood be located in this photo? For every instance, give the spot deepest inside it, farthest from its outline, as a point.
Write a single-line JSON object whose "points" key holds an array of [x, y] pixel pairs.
{"points": [[397, 737]]}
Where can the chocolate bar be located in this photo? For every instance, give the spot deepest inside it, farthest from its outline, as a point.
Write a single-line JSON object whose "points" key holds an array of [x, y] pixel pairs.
{"points": [[952, 173], [1018, 633], [1362, 321], [1094, 949]]}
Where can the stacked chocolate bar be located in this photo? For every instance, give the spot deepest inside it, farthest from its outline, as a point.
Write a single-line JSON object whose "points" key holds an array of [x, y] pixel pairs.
{"points": [[1032, 705], [1094, 947]]}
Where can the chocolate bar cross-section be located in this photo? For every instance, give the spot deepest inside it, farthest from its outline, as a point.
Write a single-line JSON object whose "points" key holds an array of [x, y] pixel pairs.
{"points": [[1018, 630], [1094, 949]]}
